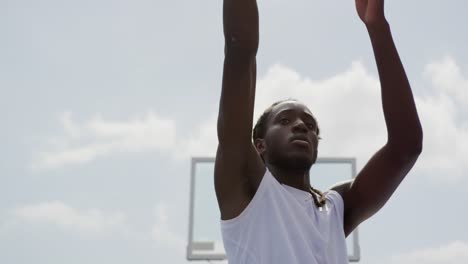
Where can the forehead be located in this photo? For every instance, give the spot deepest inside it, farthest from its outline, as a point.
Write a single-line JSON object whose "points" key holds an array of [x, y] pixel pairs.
{"points": [[290, 106]]}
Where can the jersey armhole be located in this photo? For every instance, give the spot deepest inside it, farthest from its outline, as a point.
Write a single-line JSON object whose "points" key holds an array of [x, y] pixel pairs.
{"points": [[262, 188]]}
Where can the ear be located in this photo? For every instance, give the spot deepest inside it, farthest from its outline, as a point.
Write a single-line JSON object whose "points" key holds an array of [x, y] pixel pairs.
{"points": [[260, 146]]}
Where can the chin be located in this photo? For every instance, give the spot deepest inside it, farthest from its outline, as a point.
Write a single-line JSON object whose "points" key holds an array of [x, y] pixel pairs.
{"points": [[298, 162]]}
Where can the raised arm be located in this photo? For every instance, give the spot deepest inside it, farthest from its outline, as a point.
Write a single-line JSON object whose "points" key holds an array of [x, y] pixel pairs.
{"points": [[238, 167], [378, 180]]}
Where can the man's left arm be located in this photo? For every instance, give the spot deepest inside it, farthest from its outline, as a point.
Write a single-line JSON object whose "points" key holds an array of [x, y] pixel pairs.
{"points": [[380, 177]]}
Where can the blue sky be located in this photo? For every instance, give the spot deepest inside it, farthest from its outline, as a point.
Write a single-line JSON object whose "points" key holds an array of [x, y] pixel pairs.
{"points": [[104, 102]]}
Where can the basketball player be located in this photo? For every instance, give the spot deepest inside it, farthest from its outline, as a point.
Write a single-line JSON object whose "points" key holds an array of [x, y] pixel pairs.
{"points": [[269, 212]]}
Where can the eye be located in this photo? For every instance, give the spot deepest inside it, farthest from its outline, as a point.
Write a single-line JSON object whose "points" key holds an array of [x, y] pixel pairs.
{"points": [[284, 121], [311, 126]]}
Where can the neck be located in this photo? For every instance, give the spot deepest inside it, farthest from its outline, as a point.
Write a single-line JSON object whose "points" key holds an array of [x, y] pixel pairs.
{"points": [[298, 179]]}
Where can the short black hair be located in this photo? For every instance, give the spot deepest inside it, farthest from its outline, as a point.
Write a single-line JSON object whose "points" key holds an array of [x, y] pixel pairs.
{"points": [[260, 128]]}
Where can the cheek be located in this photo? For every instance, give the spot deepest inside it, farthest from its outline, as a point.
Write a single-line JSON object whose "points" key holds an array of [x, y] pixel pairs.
{"points": [[275, 139], [270, 143]]}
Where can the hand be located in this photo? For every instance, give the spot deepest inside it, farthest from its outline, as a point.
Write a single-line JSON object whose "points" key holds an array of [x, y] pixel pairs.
{"points": [[371, 12]]}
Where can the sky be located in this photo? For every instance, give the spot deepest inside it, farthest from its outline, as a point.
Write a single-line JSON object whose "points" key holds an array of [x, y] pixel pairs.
{"points": [[103, 103]]}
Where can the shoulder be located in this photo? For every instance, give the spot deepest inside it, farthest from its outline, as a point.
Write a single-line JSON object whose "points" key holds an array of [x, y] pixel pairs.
{"points": [[342, 187], [335, 200]]}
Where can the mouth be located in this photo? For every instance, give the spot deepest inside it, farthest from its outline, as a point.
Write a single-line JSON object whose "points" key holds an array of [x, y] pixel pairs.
{"points": [[300, 140]]}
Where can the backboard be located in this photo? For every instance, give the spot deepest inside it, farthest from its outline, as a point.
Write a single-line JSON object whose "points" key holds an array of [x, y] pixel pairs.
{"points": [[204, 238]]}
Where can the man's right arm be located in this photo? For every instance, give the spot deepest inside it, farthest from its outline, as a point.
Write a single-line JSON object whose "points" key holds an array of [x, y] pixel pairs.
{"points": [[238, 167]]}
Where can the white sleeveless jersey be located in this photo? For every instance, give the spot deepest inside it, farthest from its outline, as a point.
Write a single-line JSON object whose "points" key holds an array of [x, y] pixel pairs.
{"points": [[282, 225]]}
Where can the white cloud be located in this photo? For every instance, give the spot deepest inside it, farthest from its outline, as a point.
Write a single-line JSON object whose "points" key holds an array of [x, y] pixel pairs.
{"points": [[161, 231], [349, 112], [67, 217], [445, 156], [98, 137], [447, 76], [453, 253], [203, 143]]}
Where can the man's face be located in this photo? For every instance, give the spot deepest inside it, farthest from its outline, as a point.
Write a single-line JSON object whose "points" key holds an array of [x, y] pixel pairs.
{"points": [[291, 138]]}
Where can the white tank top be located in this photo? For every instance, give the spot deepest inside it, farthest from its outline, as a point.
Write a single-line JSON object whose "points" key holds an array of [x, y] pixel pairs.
{"points": [[282, 225]]}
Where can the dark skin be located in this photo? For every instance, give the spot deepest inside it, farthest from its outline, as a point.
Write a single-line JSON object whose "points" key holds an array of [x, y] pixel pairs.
{"points": [[239, 167], [289, 147]]}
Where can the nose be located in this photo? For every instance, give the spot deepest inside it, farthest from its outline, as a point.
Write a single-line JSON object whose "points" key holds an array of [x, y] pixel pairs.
{"points": [[300, 126]]}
